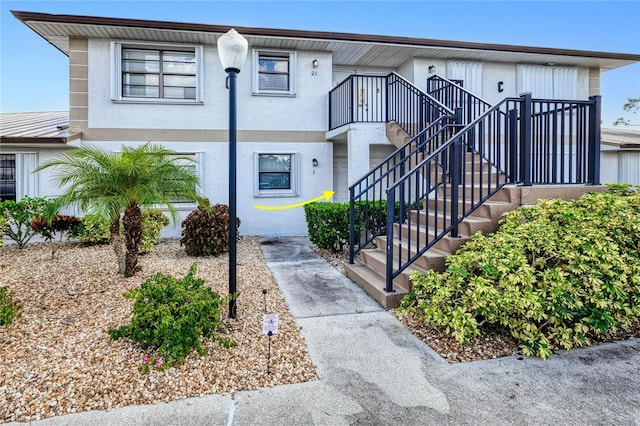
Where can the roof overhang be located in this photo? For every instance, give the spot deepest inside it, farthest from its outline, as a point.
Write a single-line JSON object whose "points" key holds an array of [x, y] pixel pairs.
{"points": [[40, 129], [620, 138], [347, 49]]}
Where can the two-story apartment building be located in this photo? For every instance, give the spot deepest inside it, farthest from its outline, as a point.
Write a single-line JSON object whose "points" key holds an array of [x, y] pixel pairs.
{"points": [[133, 81]]}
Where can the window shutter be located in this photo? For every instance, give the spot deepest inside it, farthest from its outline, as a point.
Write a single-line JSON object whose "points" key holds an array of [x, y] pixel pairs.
{"points": [[469, 72]]}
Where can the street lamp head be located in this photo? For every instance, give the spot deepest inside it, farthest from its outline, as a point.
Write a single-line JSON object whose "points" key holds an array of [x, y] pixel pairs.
{"points": [[232, 48]]}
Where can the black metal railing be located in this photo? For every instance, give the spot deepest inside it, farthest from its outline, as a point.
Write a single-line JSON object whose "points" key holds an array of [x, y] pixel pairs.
{"points": [[368, 194], [411, 108], [358, 98], [520, 140], [378, 99], [451, 94]]}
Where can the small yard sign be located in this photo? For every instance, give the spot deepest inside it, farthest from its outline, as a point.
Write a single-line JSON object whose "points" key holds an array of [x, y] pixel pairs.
{"points": [[270, 324]]}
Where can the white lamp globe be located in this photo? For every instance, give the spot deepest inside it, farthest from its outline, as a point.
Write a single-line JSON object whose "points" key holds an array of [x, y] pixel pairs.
{"points": [[232, 48]]}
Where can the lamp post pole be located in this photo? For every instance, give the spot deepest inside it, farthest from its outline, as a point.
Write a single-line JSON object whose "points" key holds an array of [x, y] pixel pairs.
{"points": [[232, 48], [232, 74]]}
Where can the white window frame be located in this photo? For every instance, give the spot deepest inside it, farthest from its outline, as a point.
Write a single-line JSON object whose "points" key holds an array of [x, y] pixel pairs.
{"points": [[116, 72], [294, 191], [256, 73], [26, 181]]}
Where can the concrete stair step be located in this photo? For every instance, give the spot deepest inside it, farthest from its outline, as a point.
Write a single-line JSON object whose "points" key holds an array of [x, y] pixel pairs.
{"points": [[374, 283], [377, 259], [441, 219]]}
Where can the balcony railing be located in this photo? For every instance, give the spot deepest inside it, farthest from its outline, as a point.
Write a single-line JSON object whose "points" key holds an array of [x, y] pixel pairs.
{"points": [[379, 99]]}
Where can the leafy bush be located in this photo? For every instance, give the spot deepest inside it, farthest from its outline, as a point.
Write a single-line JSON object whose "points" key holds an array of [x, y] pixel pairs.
{"points": [[152, 223], [328, 224], [554, 275], [93, 231], [19, 215], [61, 224], [173, 315], [4, 225], [9, 308], [205, 231]]}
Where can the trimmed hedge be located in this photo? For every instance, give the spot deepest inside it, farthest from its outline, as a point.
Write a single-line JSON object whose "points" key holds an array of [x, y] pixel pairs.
{"points": [[328, 223]]}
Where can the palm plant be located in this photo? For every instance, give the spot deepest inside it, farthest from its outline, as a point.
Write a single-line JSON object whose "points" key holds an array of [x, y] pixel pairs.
{"points": [[109, 184]]}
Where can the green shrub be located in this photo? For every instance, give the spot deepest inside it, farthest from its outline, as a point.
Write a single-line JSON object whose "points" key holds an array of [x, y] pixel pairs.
{"points": [[328, 224], [59, 224], [205, 231], [94, 231], [554, 275], [19, 215], [152, 223], [4, 225], [173, 315], [9, 308]]}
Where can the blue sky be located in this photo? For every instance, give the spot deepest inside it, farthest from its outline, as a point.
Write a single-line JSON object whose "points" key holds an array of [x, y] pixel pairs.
{"points": [[33, 74]]}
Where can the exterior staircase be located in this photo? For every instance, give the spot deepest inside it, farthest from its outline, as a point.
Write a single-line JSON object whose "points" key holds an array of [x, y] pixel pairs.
{"points": [[457, 174], [370, 272]]}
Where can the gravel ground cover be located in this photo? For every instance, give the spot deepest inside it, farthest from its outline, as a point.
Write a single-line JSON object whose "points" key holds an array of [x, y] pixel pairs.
{"points": [[57, 357], [491, 345]]}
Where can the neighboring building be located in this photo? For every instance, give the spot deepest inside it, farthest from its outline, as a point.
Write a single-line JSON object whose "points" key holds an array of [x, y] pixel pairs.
{"points": [[620, 156], [133, 81], [27, 138]]}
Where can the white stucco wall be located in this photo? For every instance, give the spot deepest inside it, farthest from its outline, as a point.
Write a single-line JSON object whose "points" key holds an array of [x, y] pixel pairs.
{"points": [[360, 137], [417, 71], [215, 184], [307, 110]]}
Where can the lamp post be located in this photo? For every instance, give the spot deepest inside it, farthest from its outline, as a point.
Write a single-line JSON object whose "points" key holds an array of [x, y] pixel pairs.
{"points": [[232, 49]]}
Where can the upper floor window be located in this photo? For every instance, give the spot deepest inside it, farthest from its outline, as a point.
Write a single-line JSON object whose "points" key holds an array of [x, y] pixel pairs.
{"points": [[274, 72], [548, 82], [150, 73]]}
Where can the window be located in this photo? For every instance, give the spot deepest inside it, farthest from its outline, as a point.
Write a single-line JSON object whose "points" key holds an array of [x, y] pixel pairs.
{"points": [[469, 72], [8, 177], [194, 166], [147, 73], [16, 175], [276, 175], [274, 72]]}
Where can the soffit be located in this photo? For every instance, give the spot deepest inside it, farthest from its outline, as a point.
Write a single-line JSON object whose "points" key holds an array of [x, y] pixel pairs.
{"points": [[347, 49]]}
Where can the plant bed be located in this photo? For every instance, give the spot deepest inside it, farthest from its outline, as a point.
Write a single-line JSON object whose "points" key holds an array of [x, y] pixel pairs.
{"points": [[556, 276], [57, 357]]}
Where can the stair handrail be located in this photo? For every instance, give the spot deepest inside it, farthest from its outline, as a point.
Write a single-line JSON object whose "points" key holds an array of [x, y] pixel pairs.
{"points": [[520, 126], [448, 175], [472, 104], [444, 107], [411, 108], [461, 88], [373, 226]]}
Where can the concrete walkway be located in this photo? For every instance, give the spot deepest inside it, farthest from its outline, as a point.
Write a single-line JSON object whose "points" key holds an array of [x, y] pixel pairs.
{"points": [[373, 371]]}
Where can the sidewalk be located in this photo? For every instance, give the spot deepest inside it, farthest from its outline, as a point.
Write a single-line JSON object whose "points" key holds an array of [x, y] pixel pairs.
{"points": [[373, 371]]}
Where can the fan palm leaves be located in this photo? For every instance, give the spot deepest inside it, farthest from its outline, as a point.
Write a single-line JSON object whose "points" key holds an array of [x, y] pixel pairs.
{"points": [[115, 184]]}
